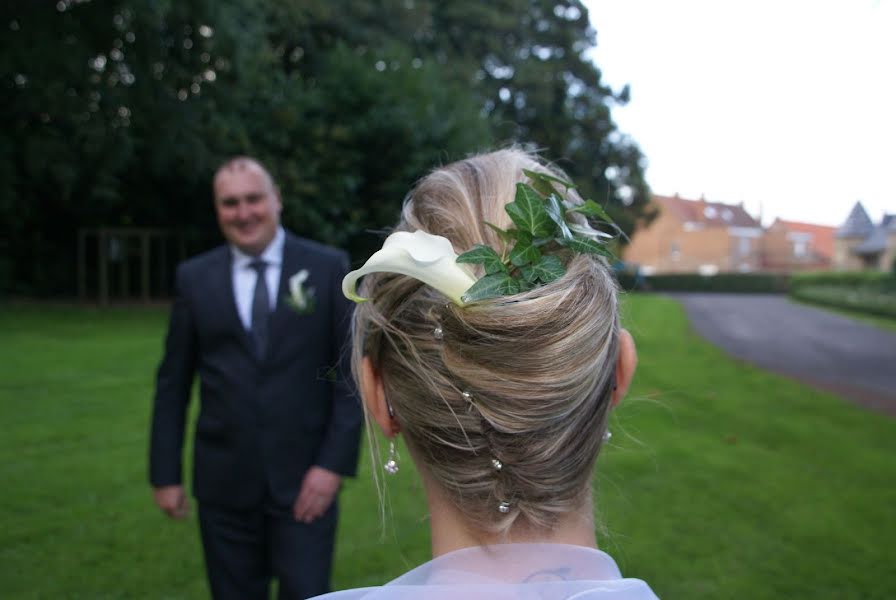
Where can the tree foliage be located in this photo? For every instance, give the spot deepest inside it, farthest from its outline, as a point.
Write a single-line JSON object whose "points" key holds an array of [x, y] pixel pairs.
{"points": [[118, 112]]}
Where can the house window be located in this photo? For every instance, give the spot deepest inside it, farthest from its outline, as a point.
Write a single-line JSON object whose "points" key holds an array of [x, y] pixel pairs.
{"points": [[674, 251], [709, 212], [799, 249], [743, 246]]}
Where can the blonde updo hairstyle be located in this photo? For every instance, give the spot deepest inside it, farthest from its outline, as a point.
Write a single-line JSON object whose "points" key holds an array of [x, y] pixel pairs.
{"points": [[538, 367]]}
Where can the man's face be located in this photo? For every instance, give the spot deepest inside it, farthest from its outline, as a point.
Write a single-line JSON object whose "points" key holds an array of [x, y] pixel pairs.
{"points": [[248, 208]]}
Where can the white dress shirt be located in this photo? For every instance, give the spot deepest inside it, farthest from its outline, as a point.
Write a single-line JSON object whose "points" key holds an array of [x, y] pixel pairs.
{"points": [[244, 276]]}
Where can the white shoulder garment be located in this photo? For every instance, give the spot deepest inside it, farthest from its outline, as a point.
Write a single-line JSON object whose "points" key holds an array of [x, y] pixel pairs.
{"points": [[510, 572]]}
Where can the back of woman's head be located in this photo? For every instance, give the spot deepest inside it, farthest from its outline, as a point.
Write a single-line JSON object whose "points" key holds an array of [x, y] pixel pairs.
{"points": [[507, 401]]}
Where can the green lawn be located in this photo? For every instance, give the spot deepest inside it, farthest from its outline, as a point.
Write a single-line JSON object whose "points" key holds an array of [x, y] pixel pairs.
{"points": [[720, 481]]}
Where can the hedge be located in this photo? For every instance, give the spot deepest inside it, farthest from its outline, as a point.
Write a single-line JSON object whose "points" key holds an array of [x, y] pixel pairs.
{"points": [[869, 292], [740, 283], [852, 279], [861, 299]]}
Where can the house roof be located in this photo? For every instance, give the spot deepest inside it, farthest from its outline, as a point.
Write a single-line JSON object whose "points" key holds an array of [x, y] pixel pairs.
{"points": [[857, 224], [874, 243], [709, 214], [822, 235], [889, 222]]}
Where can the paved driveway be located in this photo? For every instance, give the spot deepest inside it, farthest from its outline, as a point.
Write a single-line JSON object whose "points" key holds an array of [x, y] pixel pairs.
{"points": [[821, 348]]}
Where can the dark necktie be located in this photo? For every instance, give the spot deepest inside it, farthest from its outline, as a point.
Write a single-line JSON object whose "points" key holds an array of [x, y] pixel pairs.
{"points": [[261, 308]]}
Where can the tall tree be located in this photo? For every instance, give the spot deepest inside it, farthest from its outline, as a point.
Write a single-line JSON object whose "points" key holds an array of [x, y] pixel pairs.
{"points": [[118, 111], [527, 65], [96, 92]]}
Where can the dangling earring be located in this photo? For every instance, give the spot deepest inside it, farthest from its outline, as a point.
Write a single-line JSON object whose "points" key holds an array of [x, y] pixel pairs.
{"points": [[391, 466]]}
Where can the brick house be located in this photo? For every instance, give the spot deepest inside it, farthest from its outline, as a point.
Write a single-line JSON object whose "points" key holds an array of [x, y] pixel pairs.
{"points": [[793, 246], [696, 236], [860, 244]]}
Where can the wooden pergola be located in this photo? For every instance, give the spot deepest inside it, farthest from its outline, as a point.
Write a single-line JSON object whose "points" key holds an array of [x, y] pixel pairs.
{"points": [[115, 247]]}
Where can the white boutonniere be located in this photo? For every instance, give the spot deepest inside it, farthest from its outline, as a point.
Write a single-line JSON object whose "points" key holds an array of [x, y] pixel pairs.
{"points": [[301, 298]]}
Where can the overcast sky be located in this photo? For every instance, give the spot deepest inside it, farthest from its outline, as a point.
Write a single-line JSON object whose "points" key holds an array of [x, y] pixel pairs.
{"points": [[787, 104]]}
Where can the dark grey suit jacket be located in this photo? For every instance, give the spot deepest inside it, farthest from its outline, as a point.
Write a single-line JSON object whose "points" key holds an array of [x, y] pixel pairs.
{"points": [[262, 423]]}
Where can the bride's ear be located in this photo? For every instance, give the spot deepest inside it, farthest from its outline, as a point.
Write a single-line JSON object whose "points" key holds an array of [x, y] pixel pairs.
{"points": [[374, 397], [625, 365]]}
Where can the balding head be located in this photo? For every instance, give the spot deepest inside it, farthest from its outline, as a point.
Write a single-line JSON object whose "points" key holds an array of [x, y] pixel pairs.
{"points": [[247, 204], [244, 163]]}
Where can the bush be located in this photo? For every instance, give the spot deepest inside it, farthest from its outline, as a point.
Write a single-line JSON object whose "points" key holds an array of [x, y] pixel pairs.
{"points": [[852, 279], [869, 292], [740, 283], [861, 299]]}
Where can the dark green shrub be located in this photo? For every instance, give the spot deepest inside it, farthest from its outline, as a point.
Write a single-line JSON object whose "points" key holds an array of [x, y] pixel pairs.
{"points": [[850, 279], [739, 283], [870, 292], [860, 299]]}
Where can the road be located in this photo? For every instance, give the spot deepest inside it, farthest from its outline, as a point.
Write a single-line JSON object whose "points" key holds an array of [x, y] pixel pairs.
{"points": [[824, 349]]}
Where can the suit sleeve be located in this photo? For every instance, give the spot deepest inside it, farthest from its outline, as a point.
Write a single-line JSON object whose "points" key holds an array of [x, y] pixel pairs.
{"points": [[172, 397], [339, 451]]}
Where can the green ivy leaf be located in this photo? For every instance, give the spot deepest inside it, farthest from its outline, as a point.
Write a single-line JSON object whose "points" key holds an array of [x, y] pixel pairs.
{"points": [[539, 220], [528, 213], [586, 245], [545, 188], [525, 286], [492, 286], [590, 208], [549, 179], [528, 276], [486, 256], [558, 215], [524, 251], [506, 236], [546, 270]]}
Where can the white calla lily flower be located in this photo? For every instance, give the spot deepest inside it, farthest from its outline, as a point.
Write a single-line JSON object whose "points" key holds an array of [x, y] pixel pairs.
{"points": [[423, 256]]}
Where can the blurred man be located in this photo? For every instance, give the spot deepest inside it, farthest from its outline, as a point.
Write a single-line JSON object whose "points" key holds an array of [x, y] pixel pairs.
{"points": [[276, 430]]}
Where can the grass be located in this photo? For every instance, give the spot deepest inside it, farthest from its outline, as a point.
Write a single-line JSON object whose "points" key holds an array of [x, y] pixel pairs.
{"points": [[878, 321], [721, 481]]}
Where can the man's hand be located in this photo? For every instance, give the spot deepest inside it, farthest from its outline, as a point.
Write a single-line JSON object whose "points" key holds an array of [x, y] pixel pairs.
{"points": [[172, 500], [317, 494]]}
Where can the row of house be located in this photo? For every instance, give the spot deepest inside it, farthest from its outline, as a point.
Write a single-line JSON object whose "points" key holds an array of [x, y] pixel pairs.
{"points": [[698, 236]]}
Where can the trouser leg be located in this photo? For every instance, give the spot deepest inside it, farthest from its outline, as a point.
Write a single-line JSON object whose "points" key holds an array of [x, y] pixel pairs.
{"points": [[236, 548], [302, 555]]}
